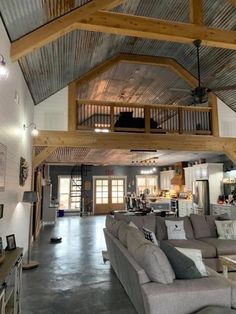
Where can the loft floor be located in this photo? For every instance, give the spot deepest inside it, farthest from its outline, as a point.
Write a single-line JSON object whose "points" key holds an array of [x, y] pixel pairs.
{"points": [[72, 277]]}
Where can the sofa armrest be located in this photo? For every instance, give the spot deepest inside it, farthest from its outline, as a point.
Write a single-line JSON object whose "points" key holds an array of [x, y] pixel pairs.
{"points": [[232, 283], [187, 296]]}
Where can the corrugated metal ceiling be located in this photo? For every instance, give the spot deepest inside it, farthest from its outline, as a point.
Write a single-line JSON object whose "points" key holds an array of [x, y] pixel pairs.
{"points": [[53, 66]]}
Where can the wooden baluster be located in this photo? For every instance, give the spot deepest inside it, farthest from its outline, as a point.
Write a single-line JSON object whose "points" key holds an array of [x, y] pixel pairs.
{"points": [[147, 119], [180, 111], [112, 121]]}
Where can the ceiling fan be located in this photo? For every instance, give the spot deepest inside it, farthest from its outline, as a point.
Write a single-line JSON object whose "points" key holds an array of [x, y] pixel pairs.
{"points": [[200, 93]]}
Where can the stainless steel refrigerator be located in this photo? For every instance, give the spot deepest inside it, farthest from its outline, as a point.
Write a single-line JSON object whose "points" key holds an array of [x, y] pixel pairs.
{"points": [[201, 197]]}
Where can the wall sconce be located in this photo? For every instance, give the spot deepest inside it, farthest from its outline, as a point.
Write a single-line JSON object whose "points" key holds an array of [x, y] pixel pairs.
{"points": [[4, 72], [34, 131]]}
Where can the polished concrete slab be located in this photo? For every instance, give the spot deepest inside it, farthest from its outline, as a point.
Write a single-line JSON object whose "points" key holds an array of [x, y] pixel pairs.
{"points": [[72, 277]]}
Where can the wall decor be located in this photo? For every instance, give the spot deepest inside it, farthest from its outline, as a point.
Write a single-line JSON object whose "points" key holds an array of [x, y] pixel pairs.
{"points": [[11, 242], [87, 185], [24, 170], [3, 159], [1, 210]]}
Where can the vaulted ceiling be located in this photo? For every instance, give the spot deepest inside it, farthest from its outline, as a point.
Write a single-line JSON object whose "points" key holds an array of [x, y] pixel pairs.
{"points": [[51, 67]]}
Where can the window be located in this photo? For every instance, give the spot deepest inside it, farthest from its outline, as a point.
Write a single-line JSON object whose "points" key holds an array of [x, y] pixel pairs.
{"points": [[69, 193], [146, 182], [117, 191], [101, 191]]}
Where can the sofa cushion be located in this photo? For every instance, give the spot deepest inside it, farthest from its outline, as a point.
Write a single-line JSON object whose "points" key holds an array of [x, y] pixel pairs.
{"points": [[201, 228], [183, 266], [147, 221], [151, 258], [226, 229], [208, 251], [161, 232], [223, 247], [122, 233], [113, 225], [211, 223]]}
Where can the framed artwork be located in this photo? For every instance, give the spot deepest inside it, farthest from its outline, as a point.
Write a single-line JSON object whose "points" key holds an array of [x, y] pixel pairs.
{"points": [[3, 160], [1, 210], [11, 242], [87, 185], [24, 170]]}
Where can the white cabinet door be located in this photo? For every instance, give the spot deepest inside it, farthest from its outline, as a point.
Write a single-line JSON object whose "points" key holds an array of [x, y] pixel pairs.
{"points": [[201, 172], [189, 178], [165, 179], [182, 208]]}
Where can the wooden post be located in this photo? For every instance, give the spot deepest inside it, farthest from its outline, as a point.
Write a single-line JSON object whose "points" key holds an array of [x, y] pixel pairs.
{"points": [[180, 113], [214, 115], [72, 106], [147, 119], [112, 121], [196, 12]]}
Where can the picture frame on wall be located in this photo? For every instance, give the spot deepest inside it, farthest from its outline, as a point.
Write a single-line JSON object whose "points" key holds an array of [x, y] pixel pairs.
{"points": [[3, 158], [1, 210], [11, 242]]}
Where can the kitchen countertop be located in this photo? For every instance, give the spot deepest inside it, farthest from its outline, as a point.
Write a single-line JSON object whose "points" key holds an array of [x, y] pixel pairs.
{"points": [[229, 205]]}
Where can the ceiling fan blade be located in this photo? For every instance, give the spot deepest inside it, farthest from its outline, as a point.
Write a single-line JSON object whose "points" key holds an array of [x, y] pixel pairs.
{"points": [[182, 90], [223, 88]]}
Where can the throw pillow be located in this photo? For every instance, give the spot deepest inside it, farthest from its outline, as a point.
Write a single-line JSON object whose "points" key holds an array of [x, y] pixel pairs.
{"points": [[196, 256], [131, 224], [183, 266], [226, 229], [151, 258], [149, 235], [175, 230]]}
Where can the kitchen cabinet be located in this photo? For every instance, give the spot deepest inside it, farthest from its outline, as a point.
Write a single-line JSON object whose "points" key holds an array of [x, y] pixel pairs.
{"points": [[189, 178], [213, 172], [218, 209], [165, 179], [185, 207], [204, 171], [10, 279]]}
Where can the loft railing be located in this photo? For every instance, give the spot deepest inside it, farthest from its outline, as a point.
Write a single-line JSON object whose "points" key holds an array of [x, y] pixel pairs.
{"points": [[118, 117]]}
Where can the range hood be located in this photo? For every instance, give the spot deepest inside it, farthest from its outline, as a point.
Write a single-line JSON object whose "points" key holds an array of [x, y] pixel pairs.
{"points": [[178, 178]]}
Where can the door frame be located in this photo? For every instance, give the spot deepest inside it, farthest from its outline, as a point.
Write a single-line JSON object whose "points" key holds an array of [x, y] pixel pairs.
{"points": [[108, 177]]}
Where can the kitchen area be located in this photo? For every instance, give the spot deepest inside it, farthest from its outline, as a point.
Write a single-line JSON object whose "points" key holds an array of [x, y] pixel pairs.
{"points": [[201, 188]]}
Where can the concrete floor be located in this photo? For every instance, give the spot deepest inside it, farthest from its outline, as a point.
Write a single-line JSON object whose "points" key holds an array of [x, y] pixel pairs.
{"points": [[71, 277]]}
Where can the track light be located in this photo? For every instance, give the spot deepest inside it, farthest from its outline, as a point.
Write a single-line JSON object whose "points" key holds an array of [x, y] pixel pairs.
{"points": [[34, 131], [3, 69]]}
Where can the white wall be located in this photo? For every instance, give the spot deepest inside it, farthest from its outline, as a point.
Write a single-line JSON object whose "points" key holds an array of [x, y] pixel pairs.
{"points": [[52, 113], [227, 120], [18, 142]]}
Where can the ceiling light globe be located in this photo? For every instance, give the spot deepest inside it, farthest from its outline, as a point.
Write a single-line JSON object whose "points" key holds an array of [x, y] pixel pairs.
{"points": [[34, 132], [3, 71]]}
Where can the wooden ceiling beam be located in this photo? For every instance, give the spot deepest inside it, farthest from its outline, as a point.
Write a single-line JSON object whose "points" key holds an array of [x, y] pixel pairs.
{"points": [[37, 160], [196, 12], [58, 27], [150, 28], [89, 18], [129, 141]]}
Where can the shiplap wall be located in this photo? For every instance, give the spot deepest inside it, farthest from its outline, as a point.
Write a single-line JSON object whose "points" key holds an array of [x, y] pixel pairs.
{"points": [[16, 108], [52, 113], [227, 120]]}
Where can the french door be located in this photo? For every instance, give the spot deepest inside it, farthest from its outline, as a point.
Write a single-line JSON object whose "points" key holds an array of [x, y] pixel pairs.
{"points": [[109, 194]]}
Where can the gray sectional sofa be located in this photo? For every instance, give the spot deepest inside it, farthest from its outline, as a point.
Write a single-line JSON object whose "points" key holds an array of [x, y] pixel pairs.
{"points": [[200, 232], [148, 278]]}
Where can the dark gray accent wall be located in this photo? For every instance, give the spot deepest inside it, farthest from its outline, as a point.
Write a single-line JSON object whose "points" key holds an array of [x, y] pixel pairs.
{"points": [[129, 171]]}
